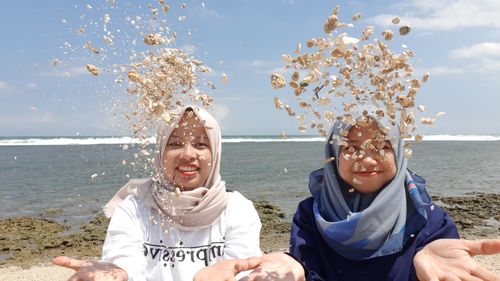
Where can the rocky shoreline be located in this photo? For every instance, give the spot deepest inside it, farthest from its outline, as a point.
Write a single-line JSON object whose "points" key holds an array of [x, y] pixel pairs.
{"points": [[28, 241]]}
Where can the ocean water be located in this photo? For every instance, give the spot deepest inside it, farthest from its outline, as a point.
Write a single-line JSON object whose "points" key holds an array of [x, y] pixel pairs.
{"points": [[37, 175]]}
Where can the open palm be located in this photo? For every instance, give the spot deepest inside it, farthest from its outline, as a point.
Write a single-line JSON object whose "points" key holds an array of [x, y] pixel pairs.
{"points": [[451, 259], [91, 270]]}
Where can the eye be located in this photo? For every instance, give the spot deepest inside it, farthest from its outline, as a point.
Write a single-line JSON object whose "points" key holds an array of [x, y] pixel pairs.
{"points": [[174, 144], [201, 145]]}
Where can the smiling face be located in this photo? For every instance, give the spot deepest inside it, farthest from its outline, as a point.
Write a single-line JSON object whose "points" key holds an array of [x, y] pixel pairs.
{"points": [[368, 162], [187, 158]]}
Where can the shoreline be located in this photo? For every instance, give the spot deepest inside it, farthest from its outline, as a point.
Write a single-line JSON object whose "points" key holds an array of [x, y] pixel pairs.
{"points": [[27, 244]]}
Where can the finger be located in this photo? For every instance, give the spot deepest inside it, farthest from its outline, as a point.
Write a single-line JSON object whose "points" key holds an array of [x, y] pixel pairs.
{"points": [[483, 247], [75, 277], [450, 277], [484, 274], [466, 276], [473, 278], [247, 264], [69, 262], [455, 274]]}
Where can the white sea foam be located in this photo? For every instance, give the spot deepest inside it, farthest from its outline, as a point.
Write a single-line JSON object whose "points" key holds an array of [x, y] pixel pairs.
{"points": [[70, 141], [271, 139], [129, 140], [250, 139], [461, 138]]}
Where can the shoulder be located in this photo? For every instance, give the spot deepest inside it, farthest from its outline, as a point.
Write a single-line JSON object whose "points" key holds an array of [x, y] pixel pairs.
{"points": [[130, 202], [305, 213], [240, 225], [239, 207], [439, 225], [437, 216], [420, 183], [133, 207], [140, 182], [306, 205], [237, 200]]}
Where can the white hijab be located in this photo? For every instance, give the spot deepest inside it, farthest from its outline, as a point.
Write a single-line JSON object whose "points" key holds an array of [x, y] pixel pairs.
{"points": [[191, 209]]}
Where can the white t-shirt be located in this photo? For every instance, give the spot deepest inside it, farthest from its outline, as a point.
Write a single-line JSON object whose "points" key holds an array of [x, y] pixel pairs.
{"points": [[139, 243]]}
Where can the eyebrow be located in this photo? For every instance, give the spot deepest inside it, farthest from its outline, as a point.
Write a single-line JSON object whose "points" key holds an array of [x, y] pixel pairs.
{"points": [[196, 138]]}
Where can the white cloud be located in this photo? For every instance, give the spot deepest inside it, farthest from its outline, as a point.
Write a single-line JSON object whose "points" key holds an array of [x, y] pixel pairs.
{"points": [[492, 68], [447, 14], [289, 2], [444, 70], [261, 63], [482, 57], [265, 67], [28, 120], [189, 48], [4, 86], [481, 50], [210, 13], [32, 85], [220, 111], [72, 72]]}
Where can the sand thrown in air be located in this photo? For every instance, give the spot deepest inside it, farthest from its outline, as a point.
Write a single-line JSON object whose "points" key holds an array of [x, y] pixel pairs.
{"points": [[136, 46], [339, 76]]}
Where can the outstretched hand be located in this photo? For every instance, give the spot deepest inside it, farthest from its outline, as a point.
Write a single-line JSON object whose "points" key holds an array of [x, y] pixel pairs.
{"points": [[275, 266], [225, 270], [451, 259], [91, 270]]}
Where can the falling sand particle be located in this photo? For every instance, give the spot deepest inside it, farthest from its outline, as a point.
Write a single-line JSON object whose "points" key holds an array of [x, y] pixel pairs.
{"points": [[343, 75], [93, 69]]}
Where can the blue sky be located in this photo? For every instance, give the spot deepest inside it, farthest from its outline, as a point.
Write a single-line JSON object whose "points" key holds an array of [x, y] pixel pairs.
{"points": [[457, 41]]}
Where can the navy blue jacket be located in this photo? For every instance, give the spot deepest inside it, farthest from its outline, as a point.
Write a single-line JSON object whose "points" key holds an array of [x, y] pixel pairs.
{"points": [[322, 263]]}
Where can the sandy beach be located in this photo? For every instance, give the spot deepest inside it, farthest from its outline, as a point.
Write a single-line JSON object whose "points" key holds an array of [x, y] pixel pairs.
{"points": [[28, 244]]}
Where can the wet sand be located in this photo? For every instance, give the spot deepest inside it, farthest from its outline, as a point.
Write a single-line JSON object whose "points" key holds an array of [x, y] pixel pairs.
{"points": [[28, 243]]}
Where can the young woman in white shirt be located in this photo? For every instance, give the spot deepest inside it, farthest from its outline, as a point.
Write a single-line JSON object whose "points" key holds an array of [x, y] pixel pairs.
{"points": [[172, 225]]}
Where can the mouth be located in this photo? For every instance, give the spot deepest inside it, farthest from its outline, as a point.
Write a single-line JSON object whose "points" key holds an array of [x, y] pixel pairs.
{"points": [[368, 173], [187, 170]]}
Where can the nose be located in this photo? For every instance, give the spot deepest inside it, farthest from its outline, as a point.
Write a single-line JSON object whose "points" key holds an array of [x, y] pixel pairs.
{"points": [[369, 159], [188, 152]]}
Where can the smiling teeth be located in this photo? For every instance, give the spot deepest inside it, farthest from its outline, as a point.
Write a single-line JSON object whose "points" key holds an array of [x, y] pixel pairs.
{"points": [[187, 169]]}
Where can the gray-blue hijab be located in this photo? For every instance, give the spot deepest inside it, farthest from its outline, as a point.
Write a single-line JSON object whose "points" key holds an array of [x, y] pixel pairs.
{"points": [[362, 226]]}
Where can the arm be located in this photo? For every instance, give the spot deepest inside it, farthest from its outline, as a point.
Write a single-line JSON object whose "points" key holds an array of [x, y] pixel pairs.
{"points": [[242, 252], [241, 241], [124, 240], [303, 244], [274, 266], [242, 230], [270, 267], [440, 254], [439, 226], [121, 258]]}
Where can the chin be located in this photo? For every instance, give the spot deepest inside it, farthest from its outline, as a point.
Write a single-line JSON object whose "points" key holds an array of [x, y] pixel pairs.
{"points": [[188, 186], [367, 189]]}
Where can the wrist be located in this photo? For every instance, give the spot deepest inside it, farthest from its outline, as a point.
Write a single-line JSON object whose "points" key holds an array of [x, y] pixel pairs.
{"points": [[304, 272]]}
